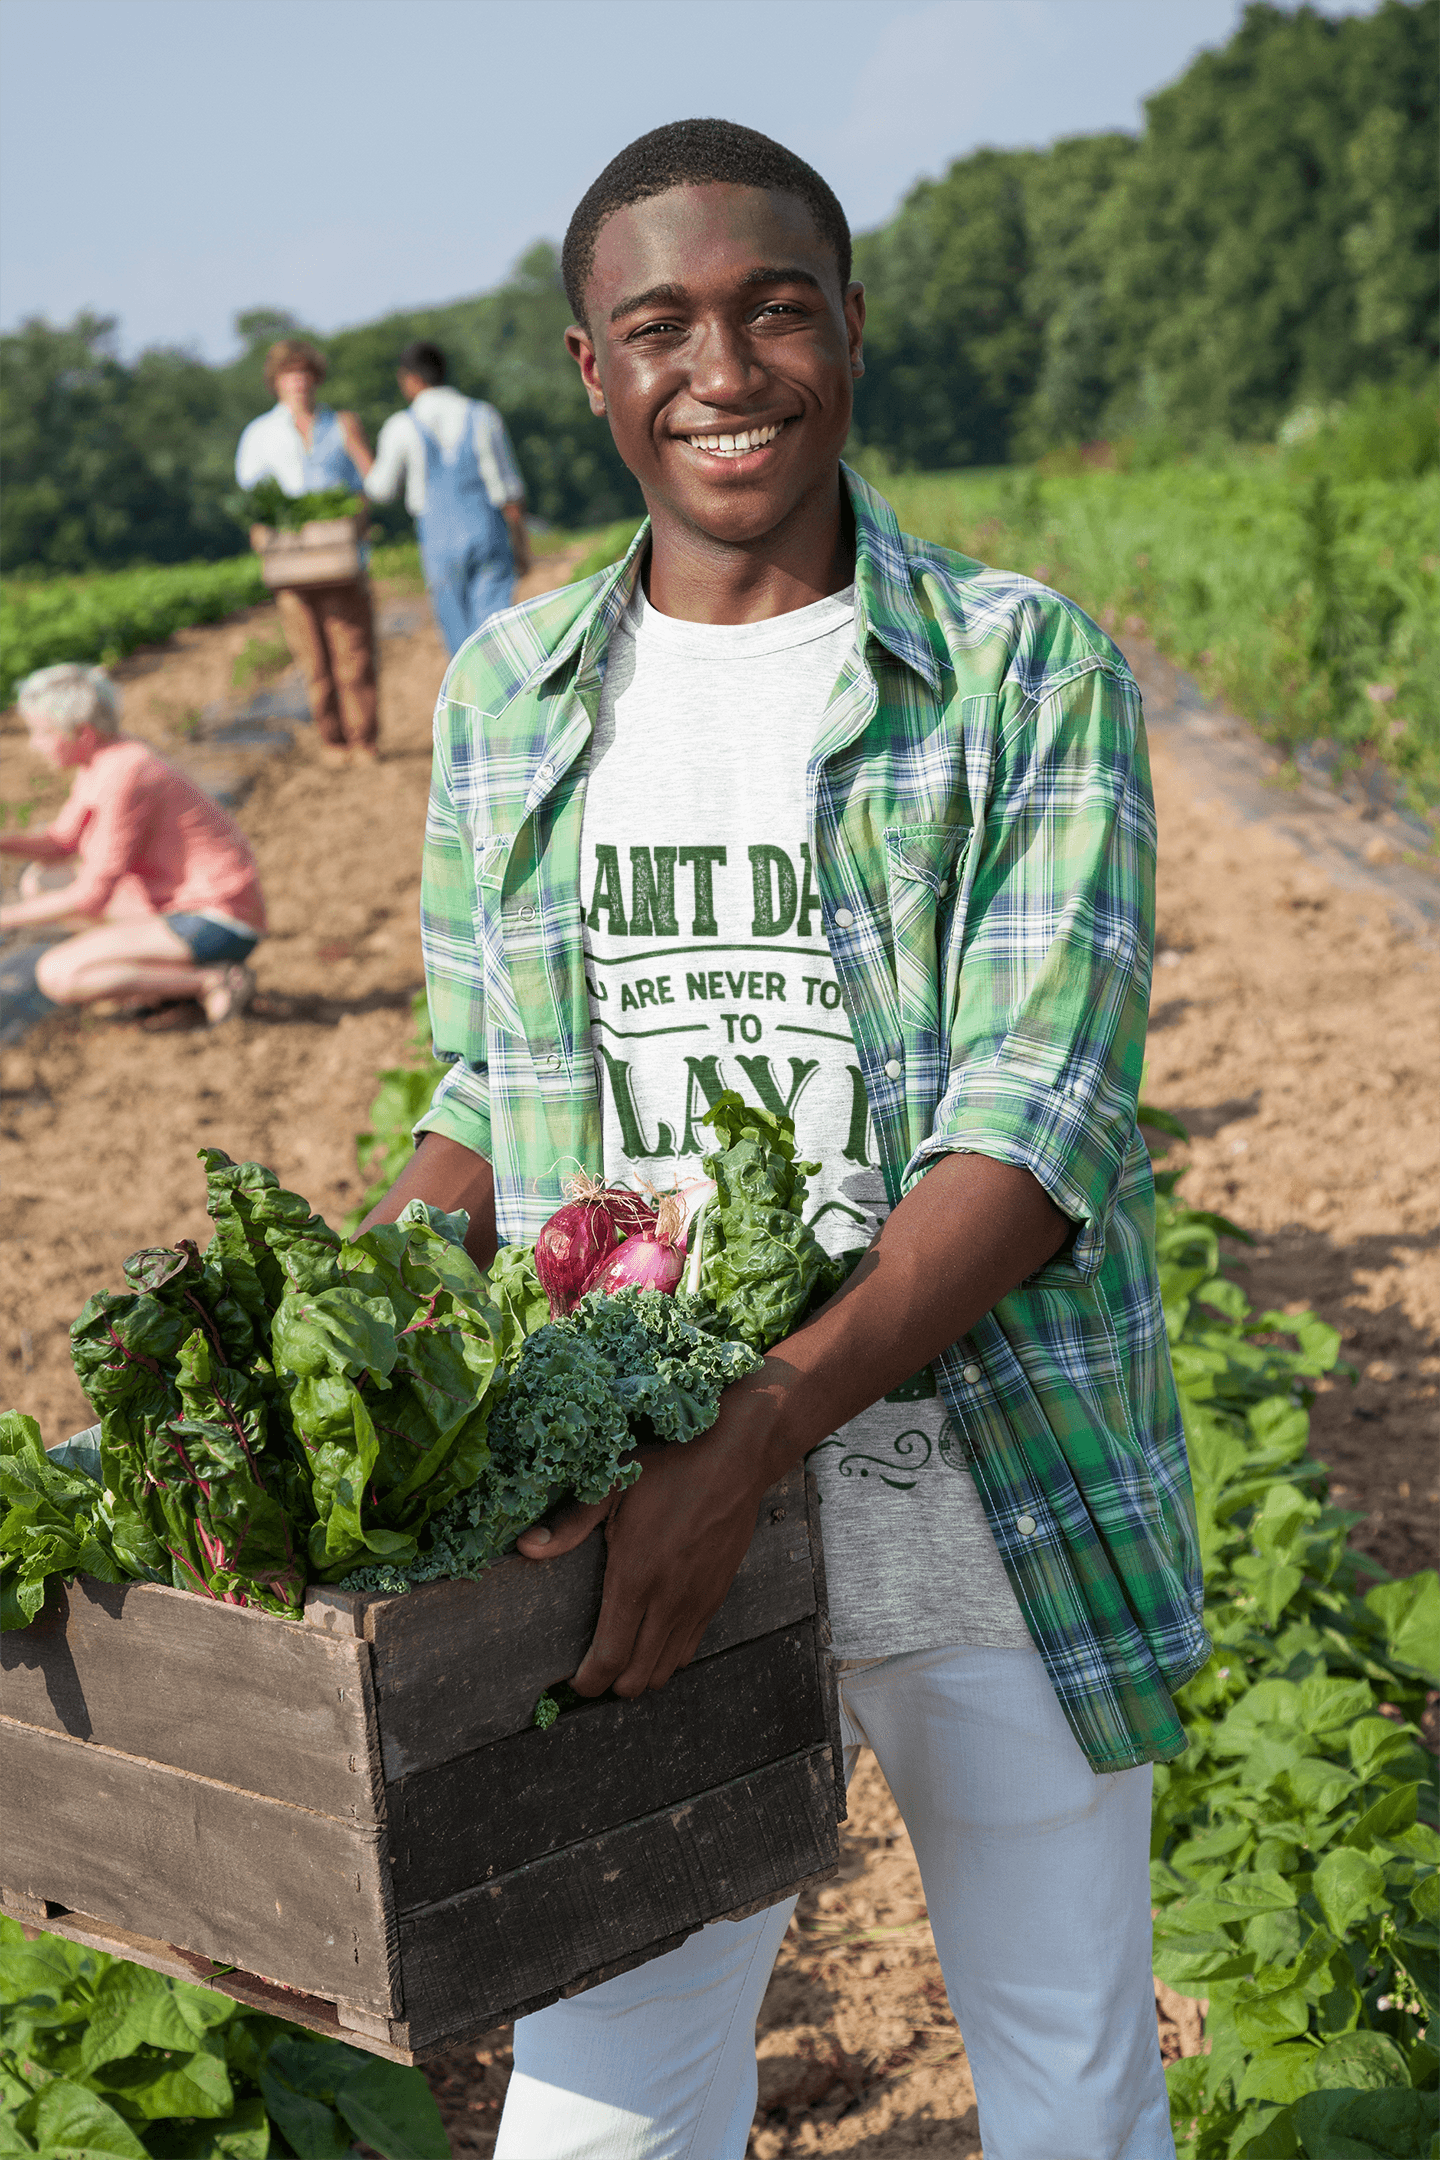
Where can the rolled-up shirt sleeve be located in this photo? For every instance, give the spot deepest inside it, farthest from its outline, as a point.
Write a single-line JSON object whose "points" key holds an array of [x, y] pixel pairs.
{"points": [[454, 981], [1050, 1011]]}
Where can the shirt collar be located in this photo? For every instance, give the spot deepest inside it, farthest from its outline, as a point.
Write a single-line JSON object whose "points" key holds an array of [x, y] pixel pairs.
{"points": [[884, 593]]}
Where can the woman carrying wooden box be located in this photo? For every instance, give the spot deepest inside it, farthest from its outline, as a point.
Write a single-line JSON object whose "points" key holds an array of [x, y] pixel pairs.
{"points": [[329, 623]]}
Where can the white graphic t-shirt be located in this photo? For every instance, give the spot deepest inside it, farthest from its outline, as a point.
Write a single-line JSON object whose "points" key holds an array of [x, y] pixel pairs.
{"points": [[709, 969]]}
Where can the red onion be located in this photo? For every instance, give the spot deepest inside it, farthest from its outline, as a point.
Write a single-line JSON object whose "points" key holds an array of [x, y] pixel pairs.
{"points": [[652, 1258], [641, 1263], [580, 1237]]}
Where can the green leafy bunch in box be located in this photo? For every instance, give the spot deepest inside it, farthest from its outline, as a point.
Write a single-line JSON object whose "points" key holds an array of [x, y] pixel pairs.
{"points": [[1294, 1850], [101, 2058]]}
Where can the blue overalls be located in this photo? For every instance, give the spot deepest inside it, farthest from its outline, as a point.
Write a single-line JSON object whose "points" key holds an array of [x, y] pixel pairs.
{"points": [[464, 541], [328, 464]]}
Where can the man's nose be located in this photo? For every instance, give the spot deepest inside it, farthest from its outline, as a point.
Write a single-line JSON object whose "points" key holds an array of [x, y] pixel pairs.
{"points": [[723, 369]]}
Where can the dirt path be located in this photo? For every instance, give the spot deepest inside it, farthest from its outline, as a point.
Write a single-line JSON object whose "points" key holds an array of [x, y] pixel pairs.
{"points": [[1293, 1028]]}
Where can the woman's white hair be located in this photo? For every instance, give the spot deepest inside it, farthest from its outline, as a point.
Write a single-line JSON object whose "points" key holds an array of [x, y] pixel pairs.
{"points": [[70, 697]]}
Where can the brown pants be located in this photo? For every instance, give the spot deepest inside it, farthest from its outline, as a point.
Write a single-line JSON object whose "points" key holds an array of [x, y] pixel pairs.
{"points": [[331, 631]]}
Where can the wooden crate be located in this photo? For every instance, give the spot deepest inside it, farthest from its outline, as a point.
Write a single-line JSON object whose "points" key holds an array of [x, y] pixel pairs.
{"points": [[324, 552], [357, 1816]]}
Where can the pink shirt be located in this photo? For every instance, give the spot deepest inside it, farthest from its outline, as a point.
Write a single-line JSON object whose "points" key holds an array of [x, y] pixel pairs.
{"points": [[129, 814]]}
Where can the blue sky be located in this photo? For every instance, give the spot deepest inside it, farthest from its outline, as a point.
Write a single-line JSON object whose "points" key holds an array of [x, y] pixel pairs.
{"points": [[169, 162]]}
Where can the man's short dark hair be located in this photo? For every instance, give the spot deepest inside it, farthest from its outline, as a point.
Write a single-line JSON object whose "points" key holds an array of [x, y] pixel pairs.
{"points": [[695, 153], [425, 360]]}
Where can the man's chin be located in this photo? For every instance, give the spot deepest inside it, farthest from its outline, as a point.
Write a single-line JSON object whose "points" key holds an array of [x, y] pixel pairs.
{"points": [[735, 516]]}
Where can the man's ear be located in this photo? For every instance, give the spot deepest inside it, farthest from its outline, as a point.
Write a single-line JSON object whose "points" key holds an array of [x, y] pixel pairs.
{"points": [[581, 348], [855, 327]]}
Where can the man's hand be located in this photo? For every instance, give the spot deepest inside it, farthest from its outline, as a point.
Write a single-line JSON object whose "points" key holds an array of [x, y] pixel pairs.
{"points": [[675, 1539], [967, 1234]]}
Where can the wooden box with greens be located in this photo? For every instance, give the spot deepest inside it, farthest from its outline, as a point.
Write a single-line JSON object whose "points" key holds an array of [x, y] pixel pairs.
{"points": [[334, 1781]]}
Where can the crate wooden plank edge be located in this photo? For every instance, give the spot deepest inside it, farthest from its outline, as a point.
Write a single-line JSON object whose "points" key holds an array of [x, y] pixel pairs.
{"points": [[336, 2020]]}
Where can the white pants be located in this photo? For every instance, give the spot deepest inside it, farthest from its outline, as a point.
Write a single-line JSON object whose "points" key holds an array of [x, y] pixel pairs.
{"points": [[1036, 1878]]}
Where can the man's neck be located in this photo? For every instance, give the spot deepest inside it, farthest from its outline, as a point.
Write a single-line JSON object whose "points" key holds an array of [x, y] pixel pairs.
{"points": [[698, 578]]}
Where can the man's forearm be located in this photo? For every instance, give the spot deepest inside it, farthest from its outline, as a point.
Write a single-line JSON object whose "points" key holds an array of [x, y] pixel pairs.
{"points": [[448, 1176], [970, 1232]]}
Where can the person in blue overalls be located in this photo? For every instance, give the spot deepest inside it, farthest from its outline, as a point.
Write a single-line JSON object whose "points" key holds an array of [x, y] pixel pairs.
{"points": [[462, 487]]}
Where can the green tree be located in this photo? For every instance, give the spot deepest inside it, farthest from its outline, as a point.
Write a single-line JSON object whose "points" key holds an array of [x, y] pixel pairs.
{"points": [[1065, 290], [952, 347], [1230, 284]]}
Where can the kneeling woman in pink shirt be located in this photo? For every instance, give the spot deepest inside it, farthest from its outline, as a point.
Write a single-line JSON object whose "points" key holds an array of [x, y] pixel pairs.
{"points": [[166, 876]]}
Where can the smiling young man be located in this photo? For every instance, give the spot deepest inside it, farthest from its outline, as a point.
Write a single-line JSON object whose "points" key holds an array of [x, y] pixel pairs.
{"points": [[790, 802]]}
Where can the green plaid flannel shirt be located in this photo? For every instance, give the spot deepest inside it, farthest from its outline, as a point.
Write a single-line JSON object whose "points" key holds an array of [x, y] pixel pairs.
{"points": [[983, 837]]}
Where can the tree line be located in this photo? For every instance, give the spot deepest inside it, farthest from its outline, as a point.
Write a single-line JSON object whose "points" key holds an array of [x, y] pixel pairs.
{"points": [[1269, 238]]}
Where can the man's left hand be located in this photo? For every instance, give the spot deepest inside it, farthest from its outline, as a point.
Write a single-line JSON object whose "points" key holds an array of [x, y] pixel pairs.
{"points": [[675, 1539]]}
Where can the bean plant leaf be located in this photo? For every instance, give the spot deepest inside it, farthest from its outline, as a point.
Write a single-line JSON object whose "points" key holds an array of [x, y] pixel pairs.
{"points": [[393, 2110], [63, 2115]]}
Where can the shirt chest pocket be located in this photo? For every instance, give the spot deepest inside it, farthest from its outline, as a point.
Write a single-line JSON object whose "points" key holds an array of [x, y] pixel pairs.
{"points": [[924, 875]]}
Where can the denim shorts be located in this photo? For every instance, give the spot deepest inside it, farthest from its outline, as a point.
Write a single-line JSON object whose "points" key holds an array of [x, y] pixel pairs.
{"points": [[213, 944]]}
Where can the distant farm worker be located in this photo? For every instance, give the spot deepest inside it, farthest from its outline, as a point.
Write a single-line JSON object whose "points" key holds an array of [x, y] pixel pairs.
{"points": [[330, 629], [462, 487], [167, 879]]}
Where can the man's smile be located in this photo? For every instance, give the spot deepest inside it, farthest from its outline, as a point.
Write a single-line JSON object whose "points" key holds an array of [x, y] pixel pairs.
{"points": [[741, 442]]}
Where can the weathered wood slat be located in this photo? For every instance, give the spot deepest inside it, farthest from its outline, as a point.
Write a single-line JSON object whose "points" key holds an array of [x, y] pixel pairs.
{"points": [[533, 1935], [488, 1812], [247, 1988], [232, 1875], [459, 1664], [244, 1697]]}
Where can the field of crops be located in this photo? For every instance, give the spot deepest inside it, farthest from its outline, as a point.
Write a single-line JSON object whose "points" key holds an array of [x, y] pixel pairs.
{"points": [[1308, 603], [105, 617]]}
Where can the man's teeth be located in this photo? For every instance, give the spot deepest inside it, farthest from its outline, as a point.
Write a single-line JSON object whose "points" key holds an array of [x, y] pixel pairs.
{"points": [[736, 445]]}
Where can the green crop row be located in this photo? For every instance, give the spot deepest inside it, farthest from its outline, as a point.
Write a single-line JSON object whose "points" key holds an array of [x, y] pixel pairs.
{"points": [[105, 617], [1306, 600], [103, 2060], [1294, 1845]]}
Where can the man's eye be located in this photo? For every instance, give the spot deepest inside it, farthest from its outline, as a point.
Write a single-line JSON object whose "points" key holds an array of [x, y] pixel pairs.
{"points": [[778, 307], [653, 329]]}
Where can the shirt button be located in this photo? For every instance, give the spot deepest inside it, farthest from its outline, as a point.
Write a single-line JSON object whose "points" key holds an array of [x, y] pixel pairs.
{"points": [[544, 772], [844, 920], [970, 1373], [943, 887], [547, 1064], [894, 1069], [1025, 1524]]}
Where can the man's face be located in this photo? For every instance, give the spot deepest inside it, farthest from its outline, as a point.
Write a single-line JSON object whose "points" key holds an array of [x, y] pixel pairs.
{"points": [[723, 352]]}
